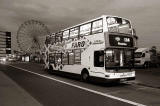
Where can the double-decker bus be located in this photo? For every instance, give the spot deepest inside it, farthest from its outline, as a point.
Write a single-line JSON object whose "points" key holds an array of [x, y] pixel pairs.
{"points": [[99, 48]]}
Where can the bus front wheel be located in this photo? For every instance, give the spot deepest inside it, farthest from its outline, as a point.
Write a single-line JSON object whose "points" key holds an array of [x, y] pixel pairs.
{"points": [[85, 76]]}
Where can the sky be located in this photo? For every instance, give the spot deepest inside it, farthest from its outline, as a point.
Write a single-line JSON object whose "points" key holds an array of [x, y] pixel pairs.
{"points": [[60, 14]]}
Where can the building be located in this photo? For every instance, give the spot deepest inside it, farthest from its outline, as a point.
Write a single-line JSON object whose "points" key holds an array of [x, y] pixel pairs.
{"points": [[5, 44]]}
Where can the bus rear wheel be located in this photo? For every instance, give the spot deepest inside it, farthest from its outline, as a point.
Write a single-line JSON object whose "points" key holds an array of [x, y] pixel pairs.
{"points": [[85, 76]]}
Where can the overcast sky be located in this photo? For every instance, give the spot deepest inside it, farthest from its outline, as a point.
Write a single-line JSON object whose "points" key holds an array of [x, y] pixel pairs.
{"points": [[59, 14]]}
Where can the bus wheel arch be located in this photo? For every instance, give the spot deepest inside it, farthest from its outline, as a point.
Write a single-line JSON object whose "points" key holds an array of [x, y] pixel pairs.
{"points": [[84, 75]]}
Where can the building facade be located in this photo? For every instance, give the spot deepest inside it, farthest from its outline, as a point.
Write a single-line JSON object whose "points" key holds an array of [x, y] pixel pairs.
{"points": [[5, 44]]}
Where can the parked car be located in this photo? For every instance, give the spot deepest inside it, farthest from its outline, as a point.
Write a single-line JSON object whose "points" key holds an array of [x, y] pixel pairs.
{"points": [[145, 58]]}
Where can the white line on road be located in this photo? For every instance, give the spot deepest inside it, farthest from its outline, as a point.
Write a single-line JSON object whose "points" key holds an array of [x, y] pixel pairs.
{"points": [[83, 88]]}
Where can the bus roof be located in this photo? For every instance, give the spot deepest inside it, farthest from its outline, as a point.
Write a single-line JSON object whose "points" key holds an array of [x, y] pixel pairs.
{"points": [[103, 16]]}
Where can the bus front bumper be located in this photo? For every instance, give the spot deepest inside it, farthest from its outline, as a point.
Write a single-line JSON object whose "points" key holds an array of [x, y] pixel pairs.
{"points": [[125, 76], [104, 80]]}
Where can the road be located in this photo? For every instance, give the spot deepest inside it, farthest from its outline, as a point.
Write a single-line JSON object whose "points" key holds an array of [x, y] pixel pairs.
{"points": [[55, 90]]}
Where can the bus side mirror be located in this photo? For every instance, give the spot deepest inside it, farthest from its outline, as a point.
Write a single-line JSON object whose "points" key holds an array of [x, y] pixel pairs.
{"points": [[143, 55]]}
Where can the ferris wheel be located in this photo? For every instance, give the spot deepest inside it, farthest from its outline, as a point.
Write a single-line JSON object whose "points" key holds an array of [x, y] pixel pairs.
{"points": [[31, 36]]}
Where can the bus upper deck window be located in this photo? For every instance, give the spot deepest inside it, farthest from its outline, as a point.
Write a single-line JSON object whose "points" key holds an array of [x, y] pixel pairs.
{"points": [[97, 26], [85, 29]]}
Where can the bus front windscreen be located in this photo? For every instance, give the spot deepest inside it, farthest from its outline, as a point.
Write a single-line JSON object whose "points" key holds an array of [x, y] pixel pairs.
{"points": [[120, 25], [119, 58]]}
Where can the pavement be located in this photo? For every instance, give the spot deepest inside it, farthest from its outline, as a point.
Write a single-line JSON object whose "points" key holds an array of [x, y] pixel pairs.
{"points": [[12, 94]]}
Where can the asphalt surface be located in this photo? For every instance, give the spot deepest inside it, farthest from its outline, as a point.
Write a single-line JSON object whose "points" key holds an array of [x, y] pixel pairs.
{"points": [[53, 93], [149, 77], [12, 94]]}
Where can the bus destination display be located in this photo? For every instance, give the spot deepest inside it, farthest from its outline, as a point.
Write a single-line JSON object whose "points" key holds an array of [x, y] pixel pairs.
{"points": [[119, 40]]}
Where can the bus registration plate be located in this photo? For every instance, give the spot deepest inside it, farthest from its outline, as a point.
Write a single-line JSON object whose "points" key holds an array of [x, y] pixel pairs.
{"points": [[126, 74]]}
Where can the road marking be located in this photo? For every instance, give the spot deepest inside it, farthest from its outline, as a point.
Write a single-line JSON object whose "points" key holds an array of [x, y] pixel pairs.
{"points": [[83, 88]]}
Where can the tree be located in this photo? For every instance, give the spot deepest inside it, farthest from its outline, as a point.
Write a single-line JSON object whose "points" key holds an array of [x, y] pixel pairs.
{"points": [[154, 50]]}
